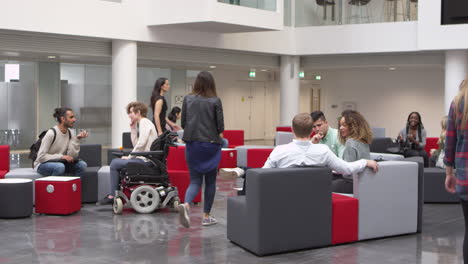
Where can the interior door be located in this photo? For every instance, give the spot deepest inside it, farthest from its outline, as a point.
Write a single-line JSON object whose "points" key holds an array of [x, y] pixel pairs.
{"points": [[257, 110], [241, 97]]}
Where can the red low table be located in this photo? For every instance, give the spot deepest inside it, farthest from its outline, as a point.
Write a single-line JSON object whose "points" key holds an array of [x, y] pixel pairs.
{"points": [[58, 195], [228, 158]]}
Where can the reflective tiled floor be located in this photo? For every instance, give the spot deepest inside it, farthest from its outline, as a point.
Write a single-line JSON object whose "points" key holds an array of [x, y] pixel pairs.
{"points": [[96, 235]]}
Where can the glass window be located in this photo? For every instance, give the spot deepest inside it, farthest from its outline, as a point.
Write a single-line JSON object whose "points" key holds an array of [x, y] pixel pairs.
{"points": [[269, 5]]}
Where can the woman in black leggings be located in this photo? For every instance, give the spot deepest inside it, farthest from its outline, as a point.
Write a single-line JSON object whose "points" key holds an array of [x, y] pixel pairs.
{"points": [[456, 154]]}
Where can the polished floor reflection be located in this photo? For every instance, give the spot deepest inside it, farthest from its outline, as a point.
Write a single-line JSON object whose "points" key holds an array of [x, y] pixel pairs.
{"points": [[96, 235]]}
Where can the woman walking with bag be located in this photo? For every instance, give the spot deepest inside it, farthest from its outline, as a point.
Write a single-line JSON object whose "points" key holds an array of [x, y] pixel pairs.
{"points": [[456, 149], [203, 124]]}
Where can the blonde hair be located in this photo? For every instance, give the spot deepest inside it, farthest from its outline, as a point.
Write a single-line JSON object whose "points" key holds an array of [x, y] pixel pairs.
{"points": [[358, 127], [462, 95], [443, 132]]}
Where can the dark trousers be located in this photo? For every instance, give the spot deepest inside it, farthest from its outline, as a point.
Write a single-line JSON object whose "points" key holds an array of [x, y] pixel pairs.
{"points": [[418, 153], [341, 185]]}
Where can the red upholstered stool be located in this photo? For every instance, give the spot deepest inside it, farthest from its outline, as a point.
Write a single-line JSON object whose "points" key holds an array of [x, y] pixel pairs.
{"points": [[181, 180], [4, 160], [344, 219], [228, 158], [176, 159], [58, 195], [256, 158], [431, 143], [235, 137], [283, 129]]}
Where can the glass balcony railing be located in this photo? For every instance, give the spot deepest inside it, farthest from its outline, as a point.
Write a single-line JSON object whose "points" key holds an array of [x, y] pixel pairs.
{"points": [[339, 12], [269, 5]]}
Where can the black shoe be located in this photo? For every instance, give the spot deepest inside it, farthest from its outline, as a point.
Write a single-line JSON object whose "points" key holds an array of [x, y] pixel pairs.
{"points": [[105, 200]]}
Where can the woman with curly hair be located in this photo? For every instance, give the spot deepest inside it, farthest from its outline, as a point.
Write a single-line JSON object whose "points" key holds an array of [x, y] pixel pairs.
{"points": [[356, 135]]}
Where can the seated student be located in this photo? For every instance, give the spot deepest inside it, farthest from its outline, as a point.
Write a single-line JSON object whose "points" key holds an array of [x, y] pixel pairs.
{"points": [[143, 133], [173, 116], [301, 152], [59, 149], [324, 134], [413, 137], [355, 135]]}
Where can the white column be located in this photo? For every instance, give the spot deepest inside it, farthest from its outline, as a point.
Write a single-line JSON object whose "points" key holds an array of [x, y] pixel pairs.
{"points": [[124, 86], [456, 70], [289, 89]]}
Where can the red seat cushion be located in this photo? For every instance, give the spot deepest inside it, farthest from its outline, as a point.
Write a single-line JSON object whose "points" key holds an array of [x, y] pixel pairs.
{"points": [[176, 159], [256, 158], [344, 219], [283, 129], [5, 157], [2, 173], [235, 137], [181, 180], [431, 143]]}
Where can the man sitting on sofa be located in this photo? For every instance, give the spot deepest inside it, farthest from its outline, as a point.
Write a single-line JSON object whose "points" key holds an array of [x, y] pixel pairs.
{"points": [[301, 152], [324, 134]]}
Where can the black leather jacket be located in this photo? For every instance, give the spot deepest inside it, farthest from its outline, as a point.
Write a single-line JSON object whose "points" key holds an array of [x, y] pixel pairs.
{"points": [[202, 119]]}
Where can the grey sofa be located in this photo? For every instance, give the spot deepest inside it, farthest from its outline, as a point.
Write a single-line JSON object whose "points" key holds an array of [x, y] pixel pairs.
{"points": [[283, 210], [282, 138], [380, 144], [91, 154], [434, 187]]}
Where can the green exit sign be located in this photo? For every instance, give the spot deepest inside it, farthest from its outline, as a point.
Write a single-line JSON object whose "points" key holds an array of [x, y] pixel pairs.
{"points": [[318, 77], [301, 74], [252, 74]]}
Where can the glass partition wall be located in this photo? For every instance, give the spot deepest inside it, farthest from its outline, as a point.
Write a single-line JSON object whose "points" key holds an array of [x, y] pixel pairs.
{"points": [[269, 5], [339, 12]]}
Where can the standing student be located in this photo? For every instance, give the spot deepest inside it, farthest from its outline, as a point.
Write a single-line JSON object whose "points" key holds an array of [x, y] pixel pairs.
{"points": [[203, 123], [159, 104], [456, 149]]}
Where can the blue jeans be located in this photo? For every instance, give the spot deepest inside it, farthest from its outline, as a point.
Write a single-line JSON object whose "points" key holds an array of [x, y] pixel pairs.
{"points": [[59, 168], [115, 166], [196, 180]]}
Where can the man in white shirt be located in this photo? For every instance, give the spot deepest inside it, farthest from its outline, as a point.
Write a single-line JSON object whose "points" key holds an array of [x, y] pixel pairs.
{"points": [[143, 133], [301, 152]]}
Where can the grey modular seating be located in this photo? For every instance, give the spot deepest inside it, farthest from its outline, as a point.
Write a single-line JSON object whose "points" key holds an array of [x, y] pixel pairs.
{"points": [[380, 144], [261, 221], [387, 200], [378, 132], [242, 153], [282, 138], [420, 162], [91, 154], [434, 187], [16, 198], [104, 182]]}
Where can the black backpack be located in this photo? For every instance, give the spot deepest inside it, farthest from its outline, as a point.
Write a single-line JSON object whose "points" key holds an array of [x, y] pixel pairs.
{"points": [[34, 149]]}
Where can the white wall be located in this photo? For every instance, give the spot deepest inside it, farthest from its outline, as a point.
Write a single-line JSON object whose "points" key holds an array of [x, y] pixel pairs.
{"points": [[386, 97]]}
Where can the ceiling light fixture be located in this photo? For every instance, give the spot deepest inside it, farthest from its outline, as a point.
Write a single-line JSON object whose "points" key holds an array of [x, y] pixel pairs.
{"points": [[392, 69], [263, 70], [212, 67], [51, 57]]}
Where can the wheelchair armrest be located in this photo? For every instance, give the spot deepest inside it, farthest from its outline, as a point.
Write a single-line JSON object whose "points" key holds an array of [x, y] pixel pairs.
{"points": [[121, 153], [147, 153]]}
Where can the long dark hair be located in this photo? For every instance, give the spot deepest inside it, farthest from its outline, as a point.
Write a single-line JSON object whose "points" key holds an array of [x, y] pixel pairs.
{"points": [[60, 112], [173, 114], [420, 125], [157, 91], [205, 85]]}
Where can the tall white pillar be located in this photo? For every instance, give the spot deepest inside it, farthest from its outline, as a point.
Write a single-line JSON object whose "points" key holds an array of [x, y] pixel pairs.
{"points": [[124, 86], [456, 70], [289, 89]]}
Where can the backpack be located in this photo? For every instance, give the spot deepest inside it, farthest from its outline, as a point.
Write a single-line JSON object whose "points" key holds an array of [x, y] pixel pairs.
{"points": [[34, 149]]}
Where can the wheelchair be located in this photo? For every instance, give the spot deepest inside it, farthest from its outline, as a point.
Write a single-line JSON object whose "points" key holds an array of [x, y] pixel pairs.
{"points": [[147, 188]]}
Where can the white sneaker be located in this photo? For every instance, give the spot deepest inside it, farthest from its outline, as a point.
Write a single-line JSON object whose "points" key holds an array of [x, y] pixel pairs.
{"points": [[184, 217], [227, 173]]}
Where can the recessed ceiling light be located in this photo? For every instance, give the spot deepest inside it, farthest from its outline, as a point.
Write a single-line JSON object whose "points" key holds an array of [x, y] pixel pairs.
{"points": [[392, 69], [213, 67], [263, 70], [51, 57]]}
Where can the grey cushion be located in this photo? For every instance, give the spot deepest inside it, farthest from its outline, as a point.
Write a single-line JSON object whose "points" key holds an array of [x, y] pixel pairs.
{"points": [[91, 154], [280, 212], [104, 182], [282, 138], [388, 199], [24, 173], [89, 185], [242, 153], [434, 187], [380, 145], [16, 198]]}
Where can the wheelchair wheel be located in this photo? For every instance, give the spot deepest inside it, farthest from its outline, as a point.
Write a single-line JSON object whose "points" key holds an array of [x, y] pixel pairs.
{"points": [[145, 199], [118, 205]]}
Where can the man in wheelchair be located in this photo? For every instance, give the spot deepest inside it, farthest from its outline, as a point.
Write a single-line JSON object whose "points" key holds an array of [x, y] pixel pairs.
{"points": [[143, 133]]}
